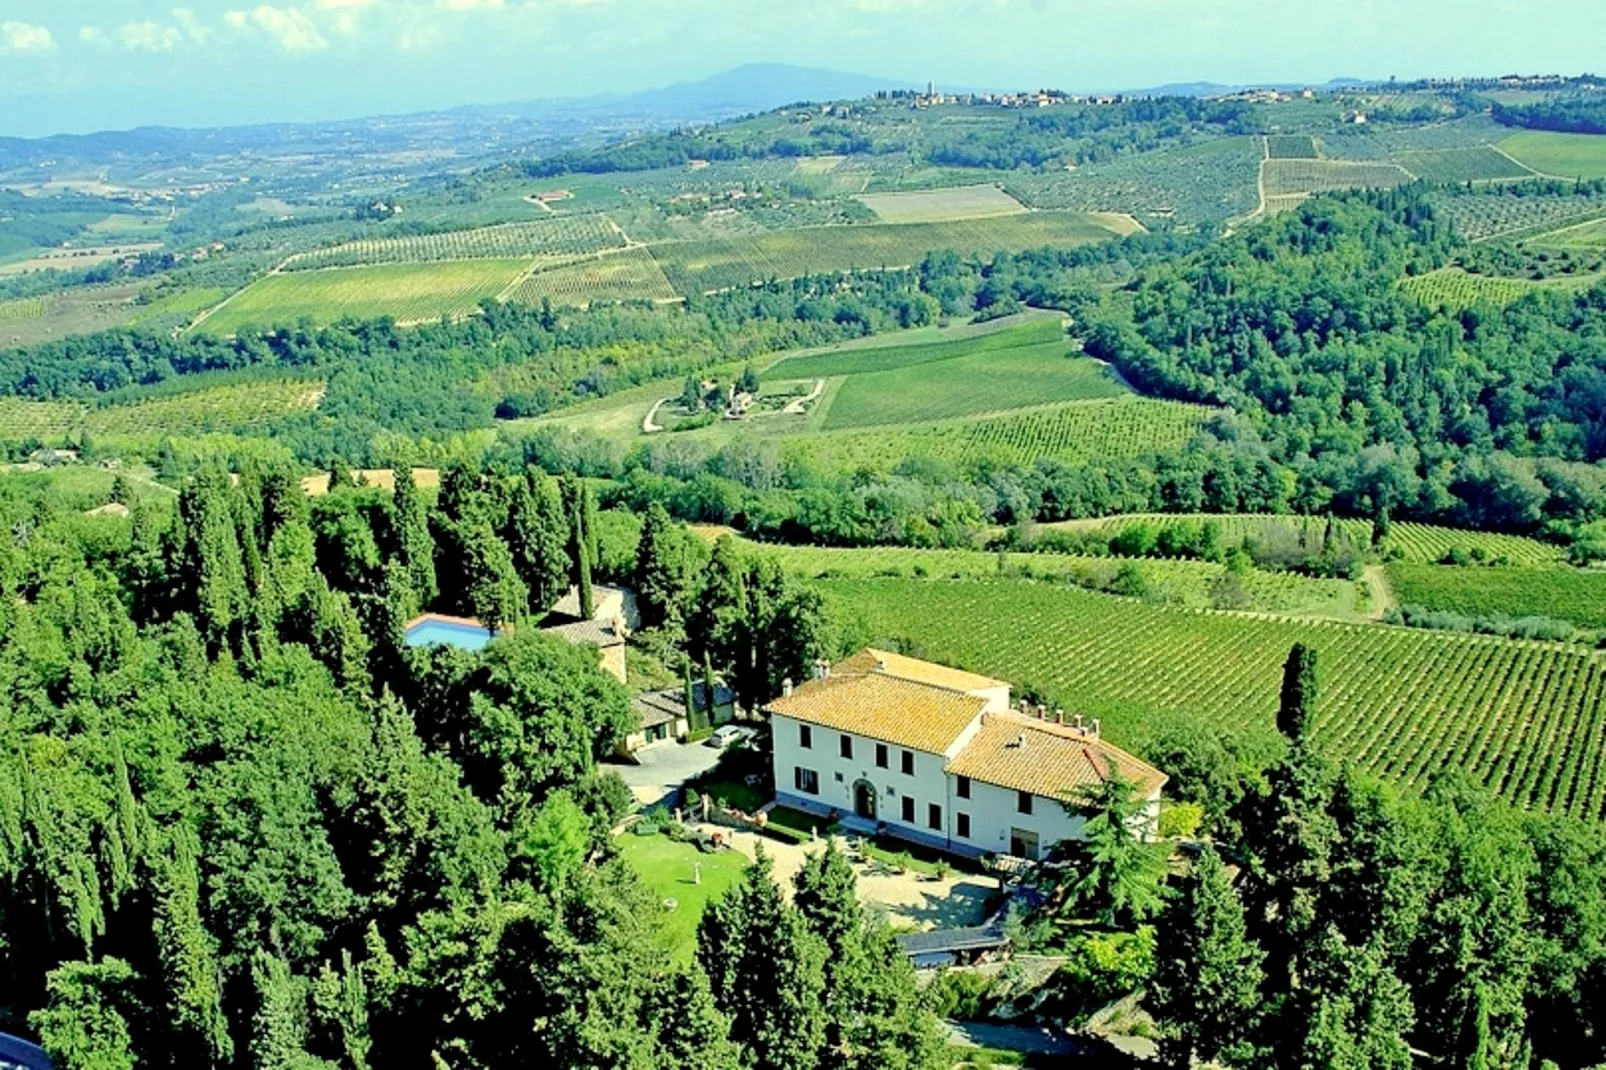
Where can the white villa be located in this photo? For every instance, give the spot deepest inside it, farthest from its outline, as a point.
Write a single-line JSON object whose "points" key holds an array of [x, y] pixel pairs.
{"points": [[936, 756]]}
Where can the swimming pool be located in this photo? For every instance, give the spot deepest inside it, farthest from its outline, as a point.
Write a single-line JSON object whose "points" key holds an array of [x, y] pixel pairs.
{"points": [[432, 631]]}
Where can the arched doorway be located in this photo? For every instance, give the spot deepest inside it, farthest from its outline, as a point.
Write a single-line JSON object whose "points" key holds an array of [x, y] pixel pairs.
{"points": [[864, 800]]}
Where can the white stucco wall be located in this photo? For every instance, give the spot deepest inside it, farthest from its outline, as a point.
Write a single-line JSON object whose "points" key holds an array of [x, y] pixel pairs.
{"points": [[993, 810], [838, 775]]}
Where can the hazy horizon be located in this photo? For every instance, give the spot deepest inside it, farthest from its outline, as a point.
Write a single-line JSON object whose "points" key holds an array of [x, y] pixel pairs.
{"points": [[87, 65]]}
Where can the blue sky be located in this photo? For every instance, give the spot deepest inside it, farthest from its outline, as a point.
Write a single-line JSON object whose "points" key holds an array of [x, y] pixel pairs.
{"points": [[79, 65]]}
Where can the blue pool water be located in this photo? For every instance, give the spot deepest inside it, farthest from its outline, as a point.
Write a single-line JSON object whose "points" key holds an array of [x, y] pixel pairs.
{"points": [[440, 632]]}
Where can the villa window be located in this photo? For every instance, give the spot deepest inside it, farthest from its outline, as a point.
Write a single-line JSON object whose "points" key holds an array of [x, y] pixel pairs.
{"points": [[805, 737], [881, 755], [908, 763], [962, 826], [908, 810], [934, 816], [1023, 802], [962, 787], [807, 780], [847, 746]]}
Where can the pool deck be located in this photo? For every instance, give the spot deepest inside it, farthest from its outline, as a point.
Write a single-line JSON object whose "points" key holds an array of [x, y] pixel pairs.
{"points": [[446, 618]]}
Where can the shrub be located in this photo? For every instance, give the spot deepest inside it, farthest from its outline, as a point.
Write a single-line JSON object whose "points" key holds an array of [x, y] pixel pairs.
{"points": [[1180, 819]]}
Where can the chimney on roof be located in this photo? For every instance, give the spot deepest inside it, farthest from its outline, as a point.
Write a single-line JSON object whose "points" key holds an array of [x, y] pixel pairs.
{"points": [[1025, 707], [1059, 716], [1020, 740], [1042, 712], [1077, 722], [880, 664], [786, 687], [1095, 728]]}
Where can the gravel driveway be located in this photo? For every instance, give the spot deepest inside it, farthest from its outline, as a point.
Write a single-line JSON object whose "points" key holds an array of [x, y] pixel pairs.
{"points": [[663, 768]]}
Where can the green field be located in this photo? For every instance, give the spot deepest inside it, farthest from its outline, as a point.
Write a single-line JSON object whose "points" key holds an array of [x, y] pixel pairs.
{"points": [[667, 868], [628, 275], [1523, 718], [1590, 234], [180, 304], [1568, 594], [865, 359], [942, 205], [26, 308], [1287, 177], [984, 382], [1458, 289], [1183, 583], [1427, 544], [411, 293], [1115, 427], [1478, 163], [1562, 155], [1484, 217], [721, 264]]}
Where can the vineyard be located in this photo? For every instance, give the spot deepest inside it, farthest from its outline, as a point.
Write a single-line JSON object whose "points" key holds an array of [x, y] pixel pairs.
{"points": [[1212, 180], [1284, 177], [26, 308], [1427, 544], [991, 381], [411, 293], [1478, 163], [1237, 528], [1561, 593], [1117, 427], [725, 263], [236, 407], [1290, 147], [1590, 234], [1456, 289], [1525, 719], [559, 236], [1184, 583], [628, 275], [1482, 217]]}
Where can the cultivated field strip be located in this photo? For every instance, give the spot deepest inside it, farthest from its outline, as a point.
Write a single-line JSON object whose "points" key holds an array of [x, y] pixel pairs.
{"points": [[558, 236], [1115, 427], [1526, 719], [1457, 289], [234, 407], [626, 275], [1283, 177]]}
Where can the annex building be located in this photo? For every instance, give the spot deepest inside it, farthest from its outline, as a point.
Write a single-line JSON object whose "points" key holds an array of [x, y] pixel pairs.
{"points": [[937, 756]]}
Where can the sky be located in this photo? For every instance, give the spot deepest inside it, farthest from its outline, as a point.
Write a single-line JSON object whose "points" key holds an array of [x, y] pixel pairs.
{"points": [[82, 65]]}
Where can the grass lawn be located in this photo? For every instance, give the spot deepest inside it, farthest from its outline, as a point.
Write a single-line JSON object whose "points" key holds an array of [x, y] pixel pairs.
{"points": [[667, 868]]}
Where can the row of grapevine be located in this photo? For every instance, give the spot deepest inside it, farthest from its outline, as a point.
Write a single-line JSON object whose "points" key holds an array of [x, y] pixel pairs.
{"points": [[1236, 528], [1283, 177], [631, 274], [1476, 163], [558, 236], [1429, 544], [1455, 288], [1117, 427], [1525, 719], [236, 407], [26, 308], [1501, 215]]}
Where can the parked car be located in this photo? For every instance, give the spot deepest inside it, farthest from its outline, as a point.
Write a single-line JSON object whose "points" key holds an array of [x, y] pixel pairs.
{"points": [[725, 735], [19, 1054]]}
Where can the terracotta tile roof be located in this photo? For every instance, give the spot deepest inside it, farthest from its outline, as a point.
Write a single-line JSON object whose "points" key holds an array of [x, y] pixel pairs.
{"points": [[603, 633], [1053, 760], [884, 707], [921, 672], [661, 707]]}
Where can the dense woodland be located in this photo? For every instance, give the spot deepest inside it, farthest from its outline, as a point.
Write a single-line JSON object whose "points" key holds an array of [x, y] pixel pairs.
{"points": [[242, 824]]}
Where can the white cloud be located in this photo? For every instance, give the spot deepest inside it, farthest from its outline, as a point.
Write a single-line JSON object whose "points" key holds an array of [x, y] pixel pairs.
{"points": [[344, 13], [468, 5], [342, 5], [192, 26], [93, 35], [289, 26], [23, 37], [149, 37]]}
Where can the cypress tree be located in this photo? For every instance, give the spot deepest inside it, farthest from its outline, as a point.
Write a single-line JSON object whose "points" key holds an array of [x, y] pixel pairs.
{"points": [[764, 968], [1208, 973], [708, 688], [694, 718], [1296, 712], [212, 567], [340, 475], [415, 544]]}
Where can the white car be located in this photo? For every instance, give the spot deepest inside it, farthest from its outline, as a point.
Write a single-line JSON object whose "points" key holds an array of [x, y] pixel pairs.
{"points": [[725, 735]]}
